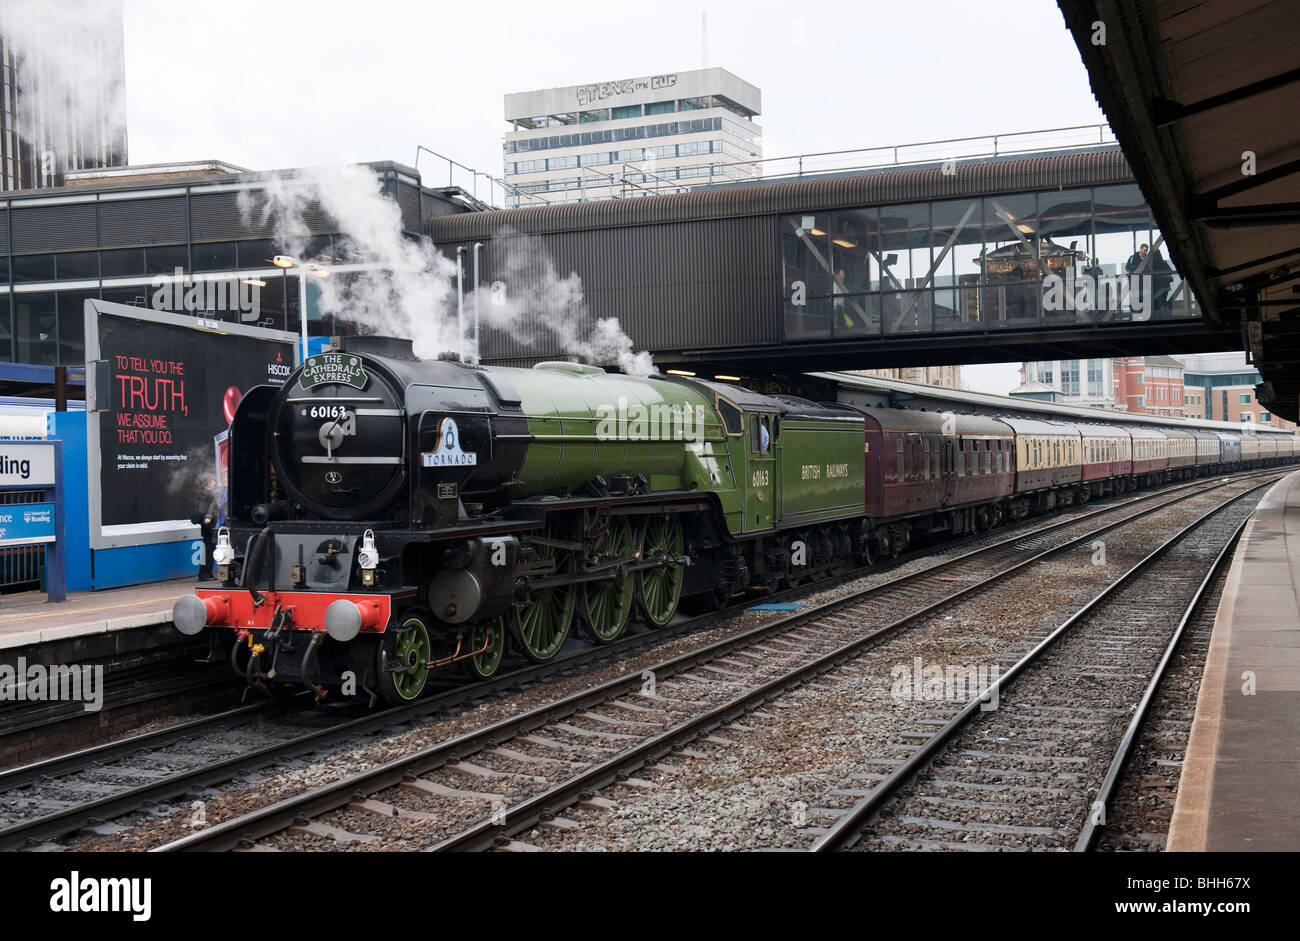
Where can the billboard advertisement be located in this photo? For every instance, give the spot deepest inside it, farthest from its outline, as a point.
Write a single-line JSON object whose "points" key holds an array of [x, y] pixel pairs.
{"points": [[166, 387]]}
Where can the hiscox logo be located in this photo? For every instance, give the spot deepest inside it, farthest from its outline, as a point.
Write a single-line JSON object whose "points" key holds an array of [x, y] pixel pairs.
{"points": [[659, 422], [177, 293], [278, 371]]}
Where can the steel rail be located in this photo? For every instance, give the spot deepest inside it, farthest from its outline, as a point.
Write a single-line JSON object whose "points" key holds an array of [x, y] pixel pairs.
{"points": [[846, 830], [275, 817], [1092, 828], [69, 819]]}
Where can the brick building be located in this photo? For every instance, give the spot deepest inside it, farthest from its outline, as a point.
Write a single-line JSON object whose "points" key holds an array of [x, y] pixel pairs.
{"points": [[1221, 387], [1149, 385]]}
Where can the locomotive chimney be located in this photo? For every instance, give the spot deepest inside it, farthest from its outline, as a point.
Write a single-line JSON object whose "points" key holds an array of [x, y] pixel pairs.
{"points": [[391, 347]]}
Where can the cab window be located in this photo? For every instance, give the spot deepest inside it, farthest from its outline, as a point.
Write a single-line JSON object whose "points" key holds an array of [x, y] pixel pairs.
{"points": [[760, 434], [733, 422]]}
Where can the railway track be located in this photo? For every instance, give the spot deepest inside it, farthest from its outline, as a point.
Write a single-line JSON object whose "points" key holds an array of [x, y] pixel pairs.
{"points": [[1039, 770], [1140, 800], [614, 728], [122, 688], [88, 789]]}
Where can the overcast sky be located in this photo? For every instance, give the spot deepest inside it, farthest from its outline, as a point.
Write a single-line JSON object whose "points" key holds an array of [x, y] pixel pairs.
{"points": [[294, 83]]}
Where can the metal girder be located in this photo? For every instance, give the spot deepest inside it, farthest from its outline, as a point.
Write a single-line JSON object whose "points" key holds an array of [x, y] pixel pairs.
{"points": [[1253, 263], [1237, 217], [1167, 112]]}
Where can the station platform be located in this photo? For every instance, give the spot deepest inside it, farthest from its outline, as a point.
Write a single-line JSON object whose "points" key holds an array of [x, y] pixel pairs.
{"points": [[1240, 785], [28, 619]]}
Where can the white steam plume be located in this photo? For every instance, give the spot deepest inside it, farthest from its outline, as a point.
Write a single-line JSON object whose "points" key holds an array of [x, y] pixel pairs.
{"points": [[529, 293], [409, 289]]}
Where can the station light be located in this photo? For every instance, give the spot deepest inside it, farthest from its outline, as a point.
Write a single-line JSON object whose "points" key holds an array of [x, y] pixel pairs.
{"points": [[679, 372], [728, 378], [320, 271]]}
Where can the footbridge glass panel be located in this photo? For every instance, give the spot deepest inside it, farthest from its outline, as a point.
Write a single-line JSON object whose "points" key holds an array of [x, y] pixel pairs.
{"points": [[1017, 261]]}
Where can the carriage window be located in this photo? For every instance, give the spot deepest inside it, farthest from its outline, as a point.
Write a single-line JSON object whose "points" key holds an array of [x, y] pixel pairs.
{"points": [[926, 445], [900, 460], [988, 458], [961, 462]]}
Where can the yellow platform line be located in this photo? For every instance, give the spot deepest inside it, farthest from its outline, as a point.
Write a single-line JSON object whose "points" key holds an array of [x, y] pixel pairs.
{"points": [[14, 618]]}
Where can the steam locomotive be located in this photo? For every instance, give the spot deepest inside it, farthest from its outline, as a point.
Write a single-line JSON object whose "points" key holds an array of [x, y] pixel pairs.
{"points": [[389, 516]]}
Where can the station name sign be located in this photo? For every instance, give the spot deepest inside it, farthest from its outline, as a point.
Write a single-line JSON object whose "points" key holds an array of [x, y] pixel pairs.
{"points": [[26, 465]]}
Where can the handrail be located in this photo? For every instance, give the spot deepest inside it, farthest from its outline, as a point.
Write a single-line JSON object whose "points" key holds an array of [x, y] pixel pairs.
{"points": [[762, 166], [507, 188]]}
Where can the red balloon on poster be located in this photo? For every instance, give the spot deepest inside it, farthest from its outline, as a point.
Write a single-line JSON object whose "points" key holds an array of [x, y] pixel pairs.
{"points": [[231, 402]]}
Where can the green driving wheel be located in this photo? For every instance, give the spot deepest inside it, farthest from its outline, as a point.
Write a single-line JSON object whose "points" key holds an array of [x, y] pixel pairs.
{"points": [[490, 638], [410, 647], [606, 604], [541, 624], [661, 586]]}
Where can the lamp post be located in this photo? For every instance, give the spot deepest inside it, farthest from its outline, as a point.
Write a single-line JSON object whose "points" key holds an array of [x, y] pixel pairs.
{"points": [[320, 271], [477, 246]]}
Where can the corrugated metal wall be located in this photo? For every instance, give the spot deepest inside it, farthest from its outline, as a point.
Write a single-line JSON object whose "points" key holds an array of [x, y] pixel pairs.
{"points": [[877, 188], [215, 217], [408, 200], [46, 228], [670, 286], [143, 221], [702, 269]]}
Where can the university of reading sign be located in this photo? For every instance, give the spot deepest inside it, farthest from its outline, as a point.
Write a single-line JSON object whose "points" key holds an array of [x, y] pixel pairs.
{"points": [[23, 524], [26, 465]]}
